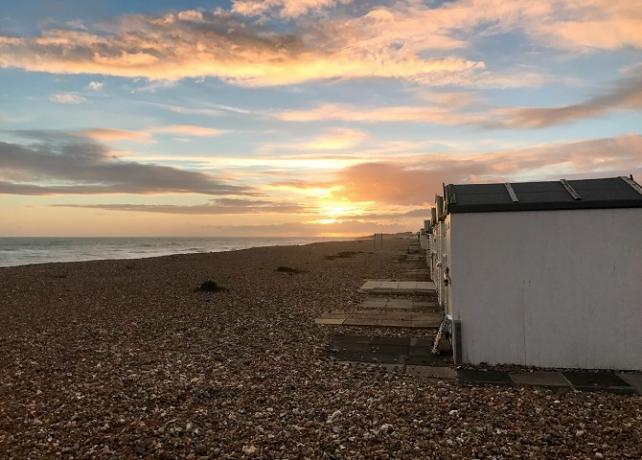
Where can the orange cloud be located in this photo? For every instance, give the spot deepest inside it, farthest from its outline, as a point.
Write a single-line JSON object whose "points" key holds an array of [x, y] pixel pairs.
{"points": [[592, 24], [173, 46], [331, 140], [346, 112], [188, 130], [406, 40], [104, 134], [416, 182], [285, 8]]}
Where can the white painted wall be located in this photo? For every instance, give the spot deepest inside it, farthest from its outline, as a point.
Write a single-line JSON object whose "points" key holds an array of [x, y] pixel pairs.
{"points": [[423, 241], [549, 288]]}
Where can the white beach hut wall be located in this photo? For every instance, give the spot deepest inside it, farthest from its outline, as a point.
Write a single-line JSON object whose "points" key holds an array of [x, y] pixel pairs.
{"points": [[543, 274]]}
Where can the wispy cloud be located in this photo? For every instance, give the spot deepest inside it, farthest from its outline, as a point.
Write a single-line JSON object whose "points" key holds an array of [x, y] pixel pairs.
{"points": [[105, 134], [465, 109], [67, 98], [625, 95], [353, 113], [55, 163], [214, 207], [145, 135], [188, 130], [332, 140]]}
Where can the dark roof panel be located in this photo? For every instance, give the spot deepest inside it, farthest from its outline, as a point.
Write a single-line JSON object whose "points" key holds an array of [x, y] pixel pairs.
{"points": [[612, 192]]}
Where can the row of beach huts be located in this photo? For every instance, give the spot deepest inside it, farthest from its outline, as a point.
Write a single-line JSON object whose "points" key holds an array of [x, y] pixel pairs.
{"points": [[545, 274]]}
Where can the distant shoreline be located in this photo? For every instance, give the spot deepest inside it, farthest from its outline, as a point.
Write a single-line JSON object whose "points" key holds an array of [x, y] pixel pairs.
{"points": [[27, 251]]}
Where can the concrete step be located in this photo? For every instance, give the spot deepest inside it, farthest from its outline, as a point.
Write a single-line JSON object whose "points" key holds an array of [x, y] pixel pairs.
{"points": [[396, 287]]}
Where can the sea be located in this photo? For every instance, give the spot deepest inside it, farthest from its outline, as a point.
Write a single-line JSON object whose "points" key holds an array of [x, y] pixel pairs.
{"points": [[26, 250]]}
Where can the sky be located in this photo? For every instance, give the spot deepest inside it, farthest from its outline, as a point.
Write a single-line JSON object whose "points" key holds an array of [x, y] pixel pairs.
{"points": [[302, 117]]}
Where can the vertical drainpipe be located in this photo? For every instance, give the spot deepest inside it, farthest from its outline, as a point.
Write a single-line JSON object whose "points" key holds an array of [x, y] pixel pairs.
{"points": [[457, 351]]}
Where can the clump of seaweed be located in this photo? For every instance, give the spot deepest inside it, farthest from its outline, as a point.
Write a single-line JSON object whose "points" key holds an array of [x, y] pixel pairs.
{"points": [[293, 271], [210, 286]]}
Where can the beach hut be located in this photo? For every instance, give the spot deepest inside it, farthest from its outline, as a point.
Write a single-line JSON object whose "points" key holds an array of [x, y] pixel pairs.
{"points": [[543, 274], [424, 235]]}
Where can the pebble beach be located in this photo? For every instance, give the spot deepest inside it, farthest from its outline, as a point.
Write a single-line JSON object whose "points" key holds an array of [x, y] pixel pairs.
{"points": [[128, 359]]}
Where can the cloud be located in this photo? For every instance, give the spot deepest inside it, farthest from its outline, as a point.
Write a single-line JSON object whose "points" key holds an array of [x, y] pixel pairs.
{"points": [[56, 163], [331, 140], [351, 113], [591, 24], [457, 108], [415, 182], [105, 135], [284, 8], [190, 15], [216, 207], [625, 95], [67, 98], [95, 86], [407, 40], [336, 139], [188, 130], [171, 47]]}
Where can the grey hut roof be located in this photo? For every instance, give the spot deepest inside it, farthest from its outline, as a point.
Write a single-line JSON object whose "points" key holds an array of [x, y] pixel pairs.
{"points": [[611, 192]]}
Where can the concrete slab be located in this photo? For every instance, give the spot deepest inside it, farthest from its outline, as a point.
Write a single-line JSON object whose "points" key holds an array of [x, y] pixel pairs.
{"points": [[419, 274], [349, 338], [397, 303], [330, 321], [368, 357], [426, 324], [383, 322], [432, 372], [374, 303], [540, 378], [398, 287], [594, 380], [387, 322], [381, 314], [382, 318], [480, 377], [632, 378], [396, 341], [401, 350], [428, 360], [370, 285], [337, 347]]}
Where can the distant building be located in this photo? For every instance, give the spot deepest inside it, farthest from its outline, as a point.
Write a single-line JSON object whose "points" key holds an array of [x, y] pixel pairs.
{"points": [[542, 274]]}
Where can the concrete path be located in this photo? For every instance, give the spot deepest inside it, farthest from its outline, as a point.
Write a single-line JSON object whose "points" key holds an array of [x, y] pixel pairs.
{"points": [[417, 274], [411, 355], [410, 319], [398, 304], [395, 287]]}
